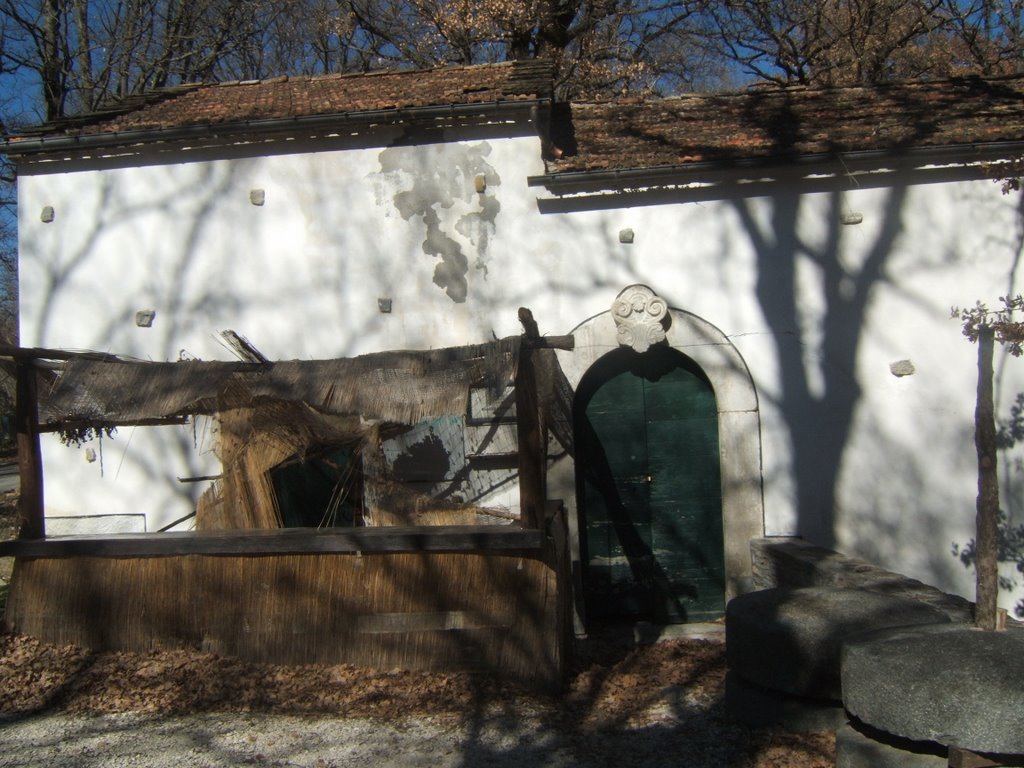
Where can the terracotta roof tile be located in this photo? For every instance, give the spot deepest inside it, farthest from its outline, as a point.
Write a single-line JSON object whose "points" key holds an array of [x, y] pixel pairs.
{"points": [[631, 133], [783, 123], [285, 97]]}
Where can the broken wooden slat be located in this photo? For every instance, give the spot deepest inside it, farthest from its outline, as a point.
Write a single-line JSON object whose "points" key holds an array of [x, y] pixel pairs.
{"points": [[453, 538]]}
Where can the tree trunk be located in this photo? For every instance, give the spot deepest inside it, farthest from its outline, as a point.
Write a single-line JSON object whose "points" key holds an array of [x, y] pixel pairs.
{"points": [[51, 60], [986, 564], [30, 463]]}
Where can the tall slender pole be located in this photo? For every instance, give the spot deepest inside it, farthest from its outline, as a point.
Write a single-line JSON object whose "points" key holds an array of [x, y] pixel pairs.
{"points": [[986, 564], [30, 461]]}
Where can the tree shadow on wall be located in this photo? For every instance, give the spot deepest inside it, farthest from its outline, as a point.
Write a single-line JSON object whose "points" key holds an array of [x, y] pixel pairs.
{"points": [[818, 390]]}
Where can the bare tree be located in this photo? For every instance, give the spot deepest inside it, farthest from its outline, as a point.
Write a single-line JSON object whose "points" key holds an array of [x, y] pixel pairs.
{"points": [[597, 46], [85, 53], [987, 36], [830, 42]]}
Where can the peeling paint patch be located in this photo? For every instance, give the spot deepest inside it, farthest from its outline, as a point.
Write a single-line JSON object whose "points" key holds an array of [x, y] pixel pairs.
{"points": [[437, 184]]}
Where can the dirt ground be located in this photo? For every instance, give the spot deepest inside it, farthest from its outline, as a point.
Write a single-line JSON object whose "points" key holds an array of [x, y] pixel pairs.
{"points": [[656, 699], [665, 696]]}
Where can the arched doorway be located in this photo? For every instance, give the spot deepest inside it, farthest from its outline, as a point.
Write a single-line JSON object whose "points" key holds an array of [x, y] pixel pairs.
{"points": [[649, 490], [739, 435]]}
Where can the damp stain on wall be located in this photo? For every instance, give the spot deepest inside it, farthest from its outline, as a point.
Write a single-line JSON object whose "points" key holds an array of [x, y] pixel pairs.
{"points": [[434, 185]]}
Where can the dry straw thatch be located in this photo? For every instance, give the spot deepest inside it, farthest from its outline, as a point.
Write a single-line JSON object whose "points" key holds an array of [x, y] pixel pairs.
{"points": [[413, 611], [270, 412], [396, 387]]}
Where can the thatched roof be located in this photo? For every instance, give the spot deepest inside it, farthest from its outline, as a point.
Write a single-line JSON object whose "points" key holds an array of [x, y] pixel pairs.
{"points": [[397, 387]]}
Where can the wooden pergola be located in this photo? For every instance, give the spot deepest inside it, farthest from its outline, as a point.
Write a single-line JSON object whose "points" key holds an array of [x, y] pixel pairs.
{"points": [[489, 551]]}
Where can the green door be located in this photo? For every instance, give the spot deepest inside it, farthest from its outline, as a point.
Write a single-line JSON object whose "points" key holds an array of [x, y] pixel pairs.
{"points": [[650, 489]]}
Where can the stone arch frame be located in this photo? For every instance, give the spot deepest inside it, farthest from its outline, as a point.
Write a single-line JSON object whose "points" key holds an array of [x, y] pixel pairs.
{"points": [[739, 435]]}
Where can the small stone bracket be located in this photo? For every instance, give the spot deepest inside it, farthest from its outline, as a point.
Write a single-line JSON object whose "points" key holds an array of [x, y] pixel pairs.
{"points": [[641, 317]]}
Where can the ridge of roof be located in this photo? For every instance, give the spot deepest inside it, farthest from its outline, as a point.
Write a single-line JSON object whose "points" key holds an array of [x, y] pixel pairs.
{"points": [[783, 123], [289, 96]]}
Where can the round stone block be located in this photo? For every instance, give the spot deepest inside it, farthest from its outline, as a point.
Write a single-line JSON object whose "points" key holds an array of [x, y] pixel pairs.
{"points": [[955, 685], [762, 708], [790, 639], [859, 746]]}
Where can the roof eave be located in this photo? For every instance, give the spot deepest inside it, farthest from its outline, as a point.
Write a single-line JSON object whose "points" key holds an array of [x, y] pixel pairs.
{"points": [[17, 147], [662, 175]]}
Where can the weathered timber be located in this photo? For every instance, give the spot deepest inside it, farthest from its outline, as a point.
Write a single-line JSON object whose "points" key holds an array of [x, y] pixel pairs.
{"points": [[986, 566], [200, 478], [46, 353], [567, 343], [529, 430], [559, 557], [463, 611], [30, 461], [162, 421], [453, 538], [43, 353]]}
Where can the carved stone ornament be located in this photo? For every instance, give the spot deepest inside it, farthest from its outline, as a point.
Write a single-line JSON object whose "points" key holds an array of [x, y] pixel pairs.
{"points": [[641, 317]]}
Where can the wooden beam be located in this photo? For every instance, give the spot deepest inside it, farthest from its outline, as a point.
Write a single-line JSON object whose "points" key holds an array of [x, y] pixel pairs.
{"points": [[567, 343], [43, 353], [530, 432], [159, 421], [440, 538], [30, 460]]}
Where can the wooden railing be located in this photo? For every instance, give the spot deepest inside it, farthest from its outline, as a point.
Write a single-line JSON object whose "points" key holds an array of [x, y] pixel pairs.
{"points": [[449, 538]]}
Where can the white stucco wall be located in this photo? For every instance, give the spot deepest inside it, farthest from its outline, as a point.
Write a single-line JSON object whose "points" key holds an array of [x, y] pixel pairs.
{"points": [[876, 465]]}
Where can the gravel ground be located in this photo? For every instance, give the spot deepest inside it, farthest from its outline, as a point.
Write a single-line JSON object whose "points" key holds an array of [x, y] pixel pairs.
{"points": [[234, 739], [651, 705]]}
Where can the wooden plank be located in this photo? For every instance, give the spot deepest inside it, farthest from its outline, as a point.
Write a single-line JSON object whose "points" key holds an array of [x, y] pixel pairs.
{"points": [[449, 538], [30, 460]]}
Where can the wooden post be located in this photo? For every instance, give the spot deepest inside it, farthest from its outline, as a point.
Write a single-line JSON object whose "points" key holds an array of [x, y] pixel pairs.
{"points": [[986, 544], [30, 461], [559, 558], [532, 437]]}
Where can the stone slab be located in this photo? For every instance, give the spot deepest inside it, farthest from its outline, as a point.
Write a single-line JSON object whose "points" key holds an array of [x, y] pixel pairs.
{"points": [[862, 747], [954, 685], [759, 707], [790, 640]]}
